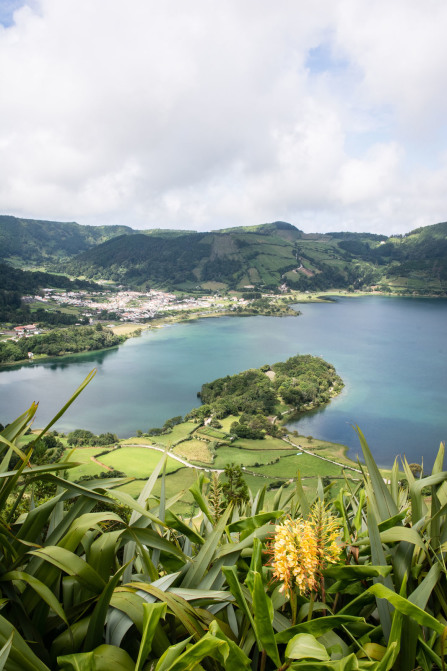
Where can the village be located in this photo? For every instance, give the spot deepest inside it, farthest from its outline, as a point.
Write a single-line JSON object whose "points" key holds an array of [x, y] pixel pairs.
{"points": [[133, 306]]}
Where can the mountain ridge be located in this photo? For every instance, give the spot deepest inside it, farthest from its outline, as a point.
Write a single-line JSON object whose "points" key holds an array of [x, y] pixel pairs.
{"points": [[265, 256]]}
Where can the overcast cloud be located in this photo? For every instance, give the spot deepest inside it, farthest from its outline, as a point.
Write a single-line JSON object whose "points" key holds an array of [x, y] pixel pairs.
{"points": [[207, 114]]}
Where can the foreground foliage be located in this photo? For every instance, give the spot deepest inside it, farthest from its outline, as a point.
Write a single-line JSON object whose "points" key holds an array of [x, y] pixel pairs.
{"points": [[84, 588]]}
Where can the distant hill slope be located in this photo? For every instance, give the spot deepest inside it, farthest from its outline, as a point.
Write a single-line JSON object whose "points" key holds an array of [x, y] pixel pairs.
{"points": [[263, 256], [28, 241]]}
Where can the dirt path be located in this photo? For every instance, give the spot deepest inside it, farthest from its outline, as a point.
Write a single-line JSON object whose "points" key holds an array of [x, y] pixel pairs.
{"points": [[101, 464]]}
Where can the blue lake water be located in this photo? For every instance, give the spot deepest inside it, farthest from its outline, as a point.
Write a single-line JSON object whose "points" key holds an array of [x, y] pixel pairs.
{"points": [[390, 352]]}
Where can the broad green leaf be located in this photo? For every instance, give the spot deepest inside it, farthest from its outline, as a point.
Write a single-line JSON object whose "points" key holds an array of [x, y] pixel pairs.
{"points": [[19, 426], [353, 571], [422, 593], [387, 661], [317, 627], [70, 641], [42, 590], [185, 613], [232, 579], [102, 552], [73, 565], [235, 659], [306, 646], [263, 620], [104, 658], [98, 617], [147, 489], [262, 533], [176, 523], [152, 614], [301, 497], [407, 608], [153, 539], [394, 482], [82, 524], [384, 501], [349, 663], [202, 560], [170, 655], [196, 491], [128, 501], [254, 522], [372, 650], [397, 534], [21, 657], [208, 646], [378, 558], [4, 652]]}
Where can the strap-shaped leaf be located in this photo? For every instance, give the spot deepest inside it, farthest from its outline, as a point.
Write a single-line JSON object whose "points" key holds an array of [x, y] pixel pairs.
{"points": [[73, 565]]}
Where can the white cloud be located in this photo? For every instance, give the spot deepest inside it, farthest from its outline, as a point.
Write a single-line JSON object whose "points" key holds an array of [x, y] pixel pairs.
{"points": [[209, 114]]}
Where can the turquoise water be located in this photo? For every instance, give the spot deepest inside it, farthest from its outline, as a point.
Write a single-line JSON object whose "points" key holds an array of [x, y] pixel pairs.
{"points": [[391, 353]]}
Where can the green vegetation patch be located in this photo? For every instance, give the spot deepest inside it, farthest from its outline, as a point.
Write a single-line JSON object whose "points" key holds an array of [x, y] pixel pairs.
{"points": [[138, 462], [194, 450], [226, 454]]}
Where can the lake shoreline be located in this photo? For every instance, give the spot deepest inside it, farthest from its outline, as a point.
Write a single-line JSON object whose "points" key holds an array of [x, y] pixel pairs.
{"points": [[132, 328]]}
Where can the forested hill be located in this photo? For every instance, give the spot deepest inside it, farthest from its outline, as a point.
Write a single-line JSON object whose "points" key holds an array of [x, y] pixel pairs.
{"points": [[264, 257], [29, 241], [269, 255]]}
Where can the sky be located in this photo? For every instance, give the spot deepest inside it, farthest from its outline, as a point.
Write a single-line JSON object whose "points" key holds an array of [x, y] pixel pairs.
{"points": [[201, 115]]}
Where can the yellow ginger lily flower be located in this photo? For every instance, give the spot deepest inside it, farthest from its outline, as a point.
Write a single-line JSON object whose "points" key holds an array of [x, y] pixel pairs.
{"points": [[301, 549]]}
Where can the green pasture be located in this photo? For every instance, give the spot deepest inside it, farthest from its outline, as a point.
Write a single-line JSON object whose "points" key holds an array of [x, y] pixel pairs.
{"points": [[179, 432], [227, 455], [87, 466], [288, 467], [262, 444], [215, 434], [137, 462]]}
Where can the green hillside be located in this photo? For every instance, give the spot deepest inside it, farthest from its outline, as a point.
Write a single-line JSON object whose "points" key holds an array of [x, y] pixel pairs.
{"points": [[264, 257], [29, 241]]}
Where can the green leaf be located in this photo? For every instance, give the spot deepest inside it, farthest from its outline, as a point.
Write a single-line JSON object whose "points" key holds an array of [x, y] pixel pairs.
{"points": [[81, 387], [82, 524], [196, 491], [383, 499], [73, 565], [407, 608], [301, 497], [235, 659], [176, 523], [152, 614], [354, 572], [232, 579], [104, 658], [98, 617], [203, 559], [208, 646], [154, 540], [42, 590], [254, 522], [378, 558], [317, 627], [304, 646], [21, 657], [4, 652], [263, 619], [170, 655]]}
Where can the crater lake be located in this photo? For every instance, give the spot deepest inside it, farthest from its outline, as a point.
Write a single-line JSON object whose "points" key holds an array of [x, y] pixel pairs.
{"points": [[390, 352]]}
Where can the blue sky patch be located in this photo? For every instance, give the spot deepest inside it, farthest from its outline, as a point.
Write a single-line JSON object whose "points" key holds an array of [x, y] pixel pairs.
{"points": [[321, 59], [7, 9]]}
